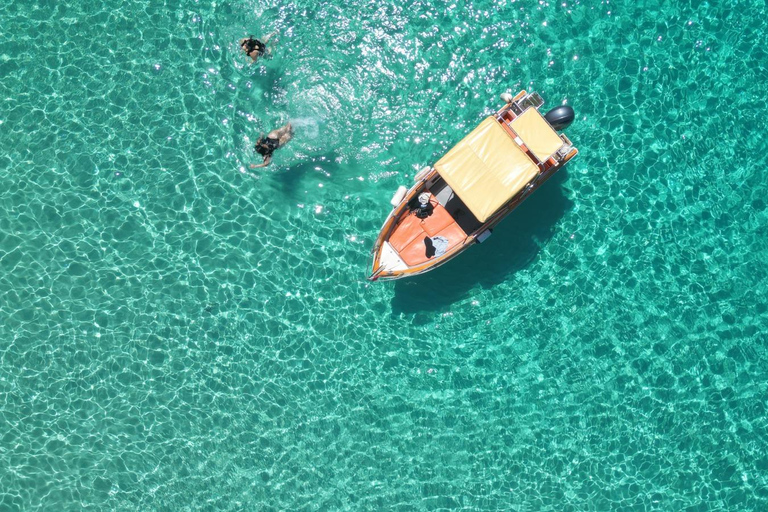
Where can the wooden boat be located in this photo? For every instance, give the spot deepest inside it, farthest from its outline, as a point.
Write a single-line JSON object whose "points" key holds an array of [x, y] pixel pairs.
{"points": [[456, 203]]}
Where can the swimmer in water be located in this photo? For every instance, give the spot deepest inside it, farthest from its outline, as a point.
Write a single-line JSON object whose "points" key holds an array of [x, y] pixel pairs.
{"points": [[274, 140], [255, 48]]}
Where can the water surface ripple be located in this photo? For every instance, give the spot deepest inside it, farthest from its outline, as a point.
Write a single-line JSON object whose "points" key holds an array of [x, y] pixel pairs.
{"points": [[180, 332]]}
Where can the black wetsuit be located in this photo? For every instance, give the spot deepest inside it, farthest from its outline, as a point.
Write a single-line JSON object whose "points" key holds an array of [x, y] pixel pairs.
{"points": [[250, 45], [266, 146]]}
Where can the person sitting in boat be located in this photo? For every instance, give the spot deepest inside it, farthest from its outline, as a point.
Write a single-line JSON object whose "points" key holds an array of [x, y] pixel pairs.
{"points": [[255, 48], [274, 140], [425, 207]]}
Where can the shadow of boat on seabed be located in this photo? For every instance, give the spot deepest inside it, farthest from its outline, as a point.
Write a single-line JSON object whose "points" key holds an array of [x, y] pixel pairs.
{"points": [[514, 244]]}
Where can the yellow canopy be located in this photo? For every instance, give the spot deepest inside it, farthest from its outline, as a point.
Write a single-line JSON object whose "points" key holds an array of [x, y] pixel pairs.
{"points": [[536, 133], [486, 169]]}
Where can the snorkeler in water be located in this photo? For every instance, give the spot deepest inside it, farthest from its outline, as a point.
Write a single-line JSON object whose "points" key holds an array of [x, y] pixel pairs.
{"points": [[256, 48], [274, 140]]}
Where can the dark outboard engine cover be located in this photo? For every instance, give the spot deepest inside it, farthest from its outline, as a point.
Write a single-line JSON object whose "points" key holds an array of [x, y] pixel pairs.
{"points": [[560, 117]]}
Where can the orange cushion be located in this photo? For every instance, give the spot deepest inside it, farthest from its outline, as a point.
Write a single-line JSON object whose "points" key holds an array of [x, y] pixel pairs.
{"points": [[408, 237], [406, 232], [415, 252], [454, 234], [436, 222]]}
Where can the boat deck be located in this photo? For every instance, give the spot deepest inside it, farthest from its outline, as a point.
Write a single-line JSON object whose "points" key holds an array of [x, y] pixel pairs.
{"points": [[455, 206], [408, 237]]}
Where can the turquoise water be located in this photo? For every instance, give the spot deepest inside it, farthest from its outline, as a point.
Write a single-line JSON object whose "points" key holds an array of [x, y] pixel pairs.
{"points": [[180, 332]]}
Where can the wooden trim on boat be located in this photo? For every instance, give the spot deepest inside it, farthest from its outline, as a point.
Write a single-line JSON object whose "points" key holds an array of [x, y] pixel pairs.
{"points": [[547, 169]]}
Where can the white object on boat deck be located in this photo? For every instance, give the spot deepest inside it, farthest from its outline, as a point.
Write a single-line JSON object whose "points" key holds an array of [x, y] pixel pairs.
{"points": [[390, 260], [506, 97], [399, 195], [422, 173]]}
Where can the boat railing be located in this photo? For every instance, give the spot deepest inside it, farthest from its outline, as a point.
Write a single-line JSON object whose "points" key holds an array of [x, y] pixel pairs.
{"points": [[563, 151], [529, 100]]}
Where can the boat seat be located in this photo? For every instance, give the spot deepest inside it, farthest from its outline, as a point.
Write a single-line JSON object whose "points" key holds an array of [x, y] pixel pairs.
{"points": [[445, 195], [412, 227], [415, 252], [436, 222], [406, 232], [408, 237]]}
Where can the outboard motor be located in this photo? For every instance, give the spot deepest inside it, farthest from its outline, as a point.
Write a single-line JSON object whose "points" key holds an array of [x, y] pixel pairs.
{"points": [[560, 117]]}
